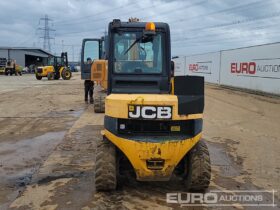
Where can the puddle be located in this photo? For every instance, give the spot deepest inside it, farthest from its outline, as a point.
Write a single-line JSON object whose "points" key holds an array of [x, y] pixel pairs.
{"points": [[68, 113], [20, 159], [221, 159], [76, 113]]}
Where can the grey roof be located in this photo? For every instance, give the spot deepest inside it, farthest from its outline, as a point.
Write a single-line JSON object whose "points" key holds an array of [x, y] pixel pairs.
{"points": [[27, 49]]}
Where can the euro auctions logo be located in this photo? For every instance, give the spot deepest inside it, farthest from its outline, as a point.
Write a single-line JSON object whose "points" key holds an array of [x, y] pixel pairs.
{"points": [[253, 198], [262, 68], [243, 68], [201, 67]]}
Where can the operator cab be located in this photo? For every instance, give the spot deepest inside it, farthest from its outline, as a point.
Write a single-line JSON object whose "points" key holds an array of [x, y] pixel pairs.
{"points": [[92, 49], [139, 60], [58, 62]]}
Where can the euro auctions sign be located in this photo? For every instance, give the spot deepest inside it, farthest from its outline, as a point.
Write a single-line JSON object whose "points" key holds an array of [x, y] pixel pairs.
{"points": [[224, 198], [201, 67], [262, 68]]}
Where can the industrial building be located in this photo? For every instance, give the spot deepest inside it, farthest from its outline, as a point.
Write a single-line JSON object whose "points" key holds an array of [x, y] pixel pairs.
{"points": [[25, 56]]}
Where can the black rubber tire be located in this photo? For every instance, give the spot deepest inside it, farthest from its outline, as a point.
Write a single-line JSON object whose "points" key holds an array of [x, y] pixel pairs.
{"points": [[99, 103], [198, 168], [38, 77], [66, 74], [50, 76], [106, 167], [56, 76]]}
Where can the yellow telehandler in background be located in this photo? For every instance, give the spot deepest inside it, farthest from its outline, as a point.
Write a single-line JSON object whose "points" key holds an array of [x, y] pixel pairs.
{"points": [[56, 68]]}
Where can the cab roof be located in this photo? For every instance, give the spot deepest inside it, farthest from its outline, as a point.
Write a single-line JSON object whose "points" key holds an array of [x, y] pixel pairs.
{"points": [[116, 23]]}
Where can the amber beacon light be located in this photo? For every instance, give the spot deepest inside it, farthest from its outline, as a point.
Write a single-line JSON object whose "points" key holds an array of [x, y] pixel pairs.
{"points": [[150, 26]]}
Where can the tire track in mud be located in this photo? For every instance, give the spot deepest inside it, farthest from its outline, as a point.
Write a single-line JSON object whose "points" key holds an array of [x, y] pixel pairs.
{"points": [[226, 175], [65, 180]]}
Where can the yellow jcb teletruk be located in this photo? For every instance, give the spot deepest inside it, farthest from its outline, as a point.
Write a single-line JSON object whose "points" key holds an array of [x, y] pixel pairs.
{"points": [[153, 121]]}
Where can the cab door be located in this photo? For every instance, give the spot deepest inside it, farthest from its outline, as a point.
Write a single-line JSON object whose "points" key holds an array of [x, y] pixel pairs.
{"points": [[91, 50]]}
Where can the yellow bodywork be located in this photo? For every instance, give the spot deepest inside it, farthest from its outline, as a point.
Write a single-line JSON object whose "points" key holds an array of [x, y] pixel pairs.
{"points": [[139, 152], [48, 69], [116, 105], [2, 70], [170, 151]]}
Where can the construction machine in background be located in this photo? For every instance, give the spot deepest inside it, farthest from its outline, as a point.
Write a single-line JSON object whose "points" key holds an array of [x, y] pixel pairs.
{"points": [[56, 68], [2, 65], [153, 121], [11, 68], [95, 50]]}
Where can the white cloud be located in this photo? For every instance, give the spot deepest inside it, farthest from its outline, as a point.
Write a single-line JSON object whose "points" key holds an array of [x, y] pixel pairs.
{"points": [[197, 26]]}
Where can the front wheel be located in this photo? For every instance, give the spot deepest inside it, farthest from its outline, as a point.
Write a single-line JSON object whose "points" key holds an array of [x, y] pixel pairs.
{"points": [[106, 166], [38, 77], [198, 168], [66, 74]]}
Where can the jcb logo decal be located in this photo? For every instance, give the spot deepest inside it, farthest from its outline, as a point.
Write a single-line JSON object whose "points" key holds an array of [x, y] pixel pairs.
{"points": [[149, 112]]}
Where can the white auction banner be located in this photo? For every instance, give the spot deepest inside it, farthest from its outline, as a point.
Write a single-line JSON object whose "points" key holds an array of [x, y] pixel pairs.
{"points": [[206, 65], [179, 65], [255, 68]]}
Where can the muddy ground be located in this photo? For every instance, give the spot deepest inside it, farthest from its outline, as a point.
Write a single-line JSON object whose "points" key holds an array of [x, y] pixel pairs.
{"points": [[48, 137]]}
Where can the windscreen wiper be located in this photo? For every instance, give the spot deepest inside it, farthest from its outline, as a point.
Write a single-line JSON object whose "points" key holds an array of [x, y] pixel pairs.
{"points": [[137, 40]]}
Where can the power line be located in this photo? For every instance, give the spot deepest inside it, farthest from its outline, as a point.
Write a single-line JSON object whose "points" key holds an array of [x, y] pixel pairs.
{"points": [[237, 22], [46, 33], [188, 6], [180, 7], [216, 33], [256, 3], [70, 21], [238, 7], [137, 10], [228, 39]]}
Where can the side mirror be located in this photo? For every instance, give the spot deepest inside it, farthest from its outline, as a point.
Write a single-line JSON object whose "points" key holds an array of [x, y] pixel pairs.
{"points": [[172, 68]]}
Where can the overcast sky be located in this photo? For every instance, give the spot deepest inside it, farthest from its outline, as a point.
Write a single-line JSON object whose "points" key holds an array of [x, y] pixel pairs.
{"points": [[197, 26]]}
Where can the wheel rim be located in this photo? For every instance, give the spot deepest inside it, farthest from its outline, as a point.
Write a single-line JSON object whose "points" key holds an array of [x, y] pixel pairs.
{"points": [[67, 74]]}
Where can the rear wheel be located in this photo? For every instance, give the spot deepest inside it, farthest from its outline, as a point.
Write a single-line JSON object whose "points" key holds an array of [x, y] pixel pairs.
{"points": [[99, 103], [38, 77], [66, 74], [198, 168], [106, 166]]}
